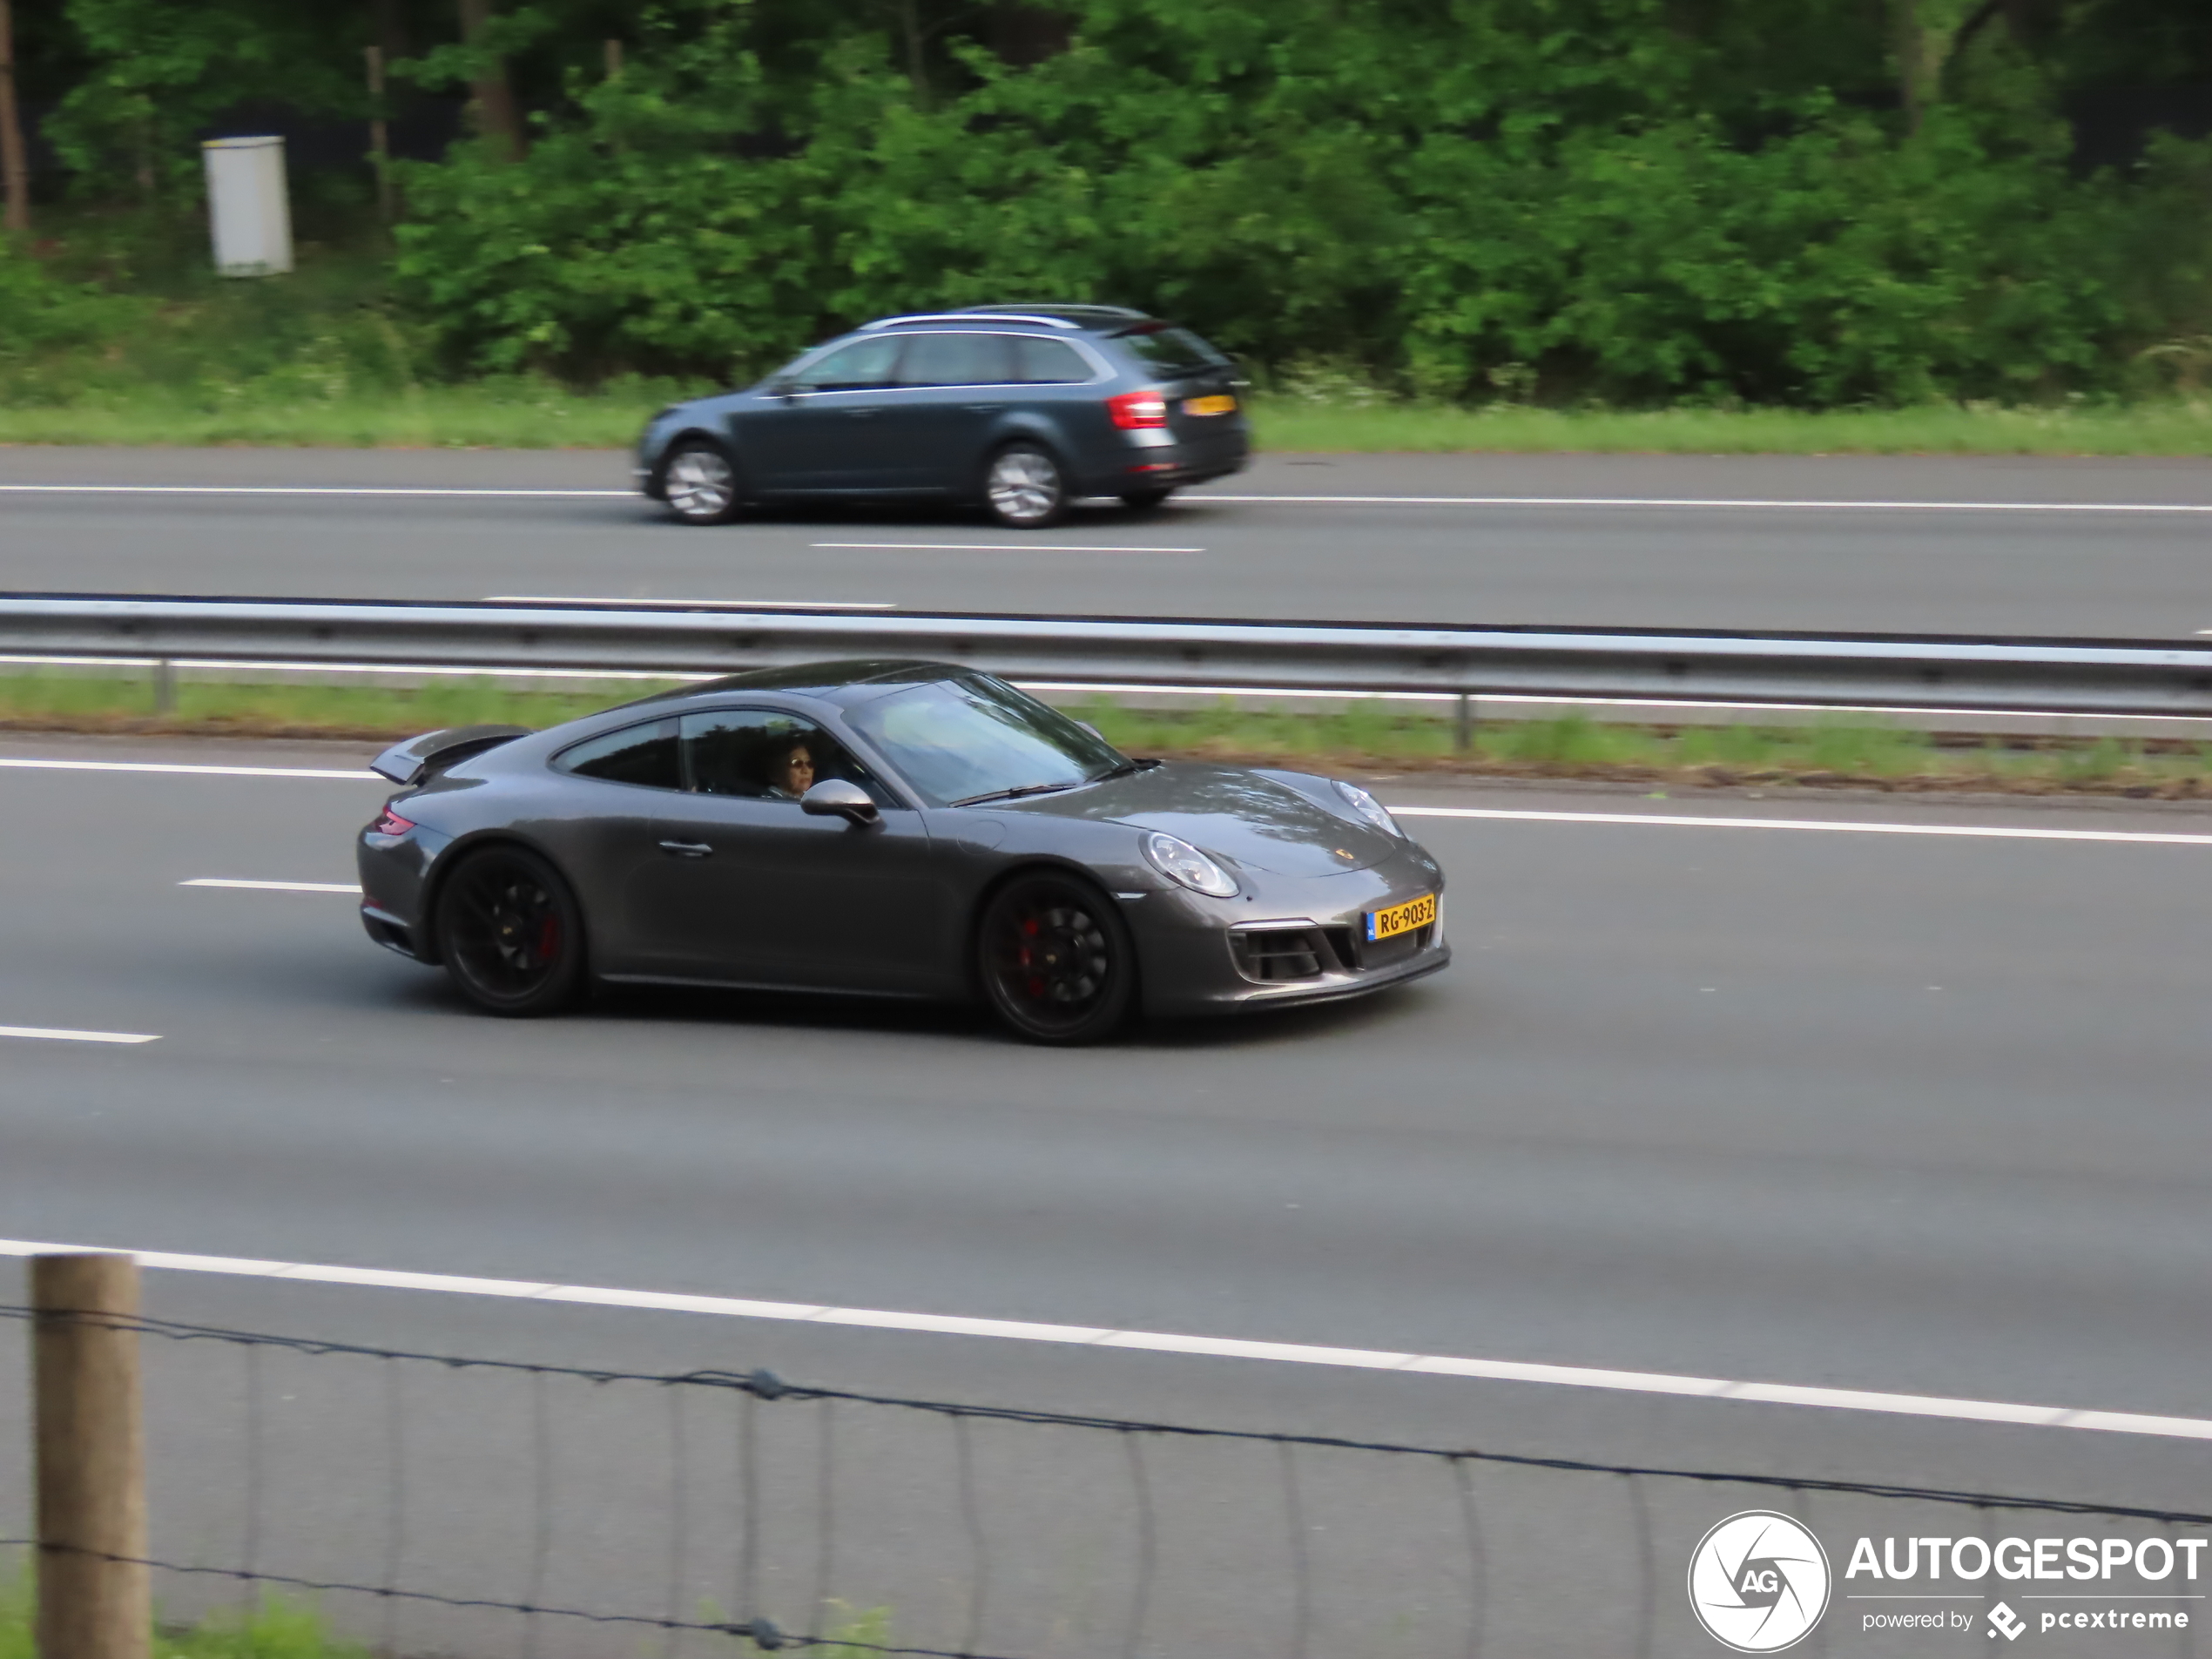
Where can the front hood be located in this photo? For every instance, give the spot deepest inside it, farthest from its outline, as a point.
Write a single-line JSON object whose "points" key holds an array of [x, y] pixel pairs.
{"points": [[1249, 819]]}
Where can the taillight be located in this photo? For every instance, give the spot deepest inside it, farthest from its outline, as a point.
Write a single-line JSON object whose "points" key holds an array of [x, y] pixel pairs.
{"points": [[392, 824], [1133, 411]]}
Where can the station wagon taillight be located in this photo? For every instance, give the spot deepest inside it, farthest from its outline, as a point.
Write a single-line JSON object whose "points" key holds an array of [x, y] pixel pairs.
{"points": [[390, 823], [1134, 410]]}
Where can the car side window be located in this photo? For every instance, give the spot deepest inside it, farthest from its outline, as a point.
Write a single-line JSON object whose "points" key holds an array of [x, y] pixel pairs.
{"points": [[1049, 362], [857, 367], [766, 754], [644, 755], [956, 360]]}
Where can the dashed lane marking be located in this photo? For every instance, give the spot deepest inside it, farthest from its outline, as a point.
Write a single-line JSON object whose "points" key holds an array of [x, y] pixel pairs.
{"points": [[997, 547], [272, 886], [27, 764]]}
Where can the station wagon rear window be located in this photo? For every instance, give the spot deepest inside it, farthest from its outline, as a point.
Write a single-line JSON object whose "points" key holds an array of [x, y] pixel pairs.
{"points": [[1169, 350]]}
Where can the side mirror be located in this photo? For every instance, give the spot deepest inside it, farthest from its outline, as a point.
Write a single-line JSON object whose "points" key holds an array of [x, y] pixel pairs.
{"points": [[839, 797]]}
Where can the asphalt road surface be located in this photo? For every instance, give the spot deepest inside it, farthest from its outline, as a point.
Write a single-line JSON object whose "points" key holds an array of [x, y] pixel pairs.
{"points": [[1898, 1112], [1986, 546]]}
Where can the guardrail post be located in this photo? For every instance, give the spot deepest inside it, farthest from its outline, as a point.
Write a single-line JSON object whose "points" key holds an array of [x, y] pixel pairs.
{"points": [[164, 686], [94, 1597], [1463, 723]]}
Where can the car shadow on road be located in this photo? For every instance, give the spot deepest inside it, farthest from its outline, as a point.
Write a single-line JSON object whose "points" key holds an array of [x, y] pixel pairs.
{"points": [[646, 1006], [1100, 511]]}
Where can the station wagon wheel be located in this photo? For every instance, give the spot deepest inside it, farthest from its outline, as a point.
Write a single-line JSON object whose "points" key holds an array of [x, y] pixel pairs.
{"points": [[1055, 959], [511, 933], [701, 484], [1025, 488]]}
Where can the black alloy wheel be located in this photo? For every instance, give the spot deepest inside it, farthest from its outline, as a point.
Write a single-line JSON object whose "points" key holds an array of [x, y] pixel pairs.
{"points": [[1024, 488], [511, 933], [1056, 961], [1145, 501], [700, 482]]}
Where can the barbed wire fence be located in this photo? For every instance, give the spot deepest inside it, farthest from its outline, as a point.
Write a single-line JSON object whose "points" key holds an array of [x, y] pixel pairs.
{"points": [[443, 1503]]}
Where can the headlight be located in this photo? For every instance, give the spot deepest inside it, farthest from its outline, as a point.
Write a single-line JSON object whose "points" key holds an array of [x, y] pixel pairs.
{"points": [[1369, 808], [1185, 865]]}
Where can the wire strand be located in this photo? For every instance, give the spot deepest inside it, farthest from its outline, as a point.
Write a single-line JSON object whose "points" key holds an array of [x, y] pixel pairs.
{"points": [[764, 1386]]}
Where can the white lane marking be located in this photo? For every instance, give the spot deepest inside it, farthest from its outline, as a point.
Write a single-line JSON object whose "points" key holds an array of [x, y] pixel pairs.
{"points": [[1717, 502], [53, 1034], [272, 887], [452, 670], [293, 490], [999, 547], [178, 767], [1999, 831], [692, 604], [1300, 501], [1679, 822], [1641, 1382]]}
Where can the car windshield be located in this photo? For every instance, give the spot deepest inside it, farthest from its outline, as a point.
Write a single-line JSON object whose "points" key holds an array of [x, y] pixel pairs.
{"points": [[976, 738], [1173, 351]]}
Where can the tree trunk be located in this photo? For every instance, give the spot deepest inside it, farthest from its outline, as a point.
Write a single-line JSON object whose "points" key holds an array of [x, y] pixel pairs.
{"points": [[1910, 86], [492, 98], [1023, 35], [917, 64], [387, 29], [15, 159]]}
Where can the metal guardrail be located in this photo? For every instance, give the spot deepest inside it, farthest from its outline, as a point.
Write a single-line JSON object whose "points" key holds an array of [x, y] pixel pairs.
{"points": [[2066, 676]]}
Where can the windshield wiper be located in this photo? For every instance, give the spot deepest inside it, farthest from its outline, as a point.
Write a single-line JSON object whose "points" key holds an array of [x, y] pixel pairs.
{"points": [[1012, 794]]}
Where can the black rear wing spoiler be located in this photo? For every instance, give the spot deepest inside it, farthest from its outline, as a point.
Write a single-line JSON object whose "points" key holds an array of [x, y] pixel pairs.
{"points": [[416, 759]]}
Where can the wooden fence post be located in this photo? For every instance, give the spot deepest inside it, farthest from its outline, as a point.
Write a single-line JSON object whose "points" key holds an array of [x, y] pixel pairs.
{"points": [[94, 1597]]}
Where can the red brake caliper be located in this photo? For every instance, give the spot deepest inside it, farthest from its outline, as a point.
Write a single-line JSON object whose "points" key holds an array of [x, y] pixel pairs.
{"points": [[1029, 931]]}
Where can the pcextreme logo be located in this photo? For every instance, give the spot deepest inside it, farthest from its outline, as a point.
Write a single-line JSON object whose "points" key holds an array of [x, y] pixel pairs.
{"points": [[1758, 1582]]}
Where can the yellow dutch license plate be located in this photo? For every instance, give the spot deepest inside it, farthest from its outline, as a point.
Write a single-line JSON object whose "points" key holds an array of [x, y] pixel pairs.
{"points": [[1402, 918], [1210, 406]]}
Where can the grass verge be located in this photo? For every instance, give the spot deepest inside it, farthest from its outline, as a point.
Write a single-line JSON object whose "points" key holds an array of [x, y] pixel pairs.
{"points": [[284, 1627], [524, 412], [1366, 738], [514, 413], [275, 1629], [2174, 427]]}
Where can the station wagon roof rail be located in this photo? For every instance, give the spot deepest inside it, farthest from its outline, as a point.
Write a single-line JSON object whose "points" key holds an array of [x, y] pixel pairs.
{"points": [[970, 316], [1058, 310]]}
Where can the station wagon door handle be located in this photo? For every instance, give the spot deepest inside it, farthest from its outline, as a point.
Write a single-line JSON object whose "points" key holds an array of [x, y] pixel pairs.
{"points": [[688, 849]]}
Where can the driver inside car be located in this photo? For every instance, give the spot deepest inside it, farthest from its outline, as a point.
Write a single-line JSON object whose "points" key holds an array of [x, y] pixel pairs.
{"points": [[790, 771]]}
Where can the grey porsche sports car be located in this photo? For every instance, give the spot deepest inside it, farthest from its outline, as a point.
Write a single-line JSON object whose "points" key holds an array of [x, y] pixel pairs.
{"points": [[889, 828]]}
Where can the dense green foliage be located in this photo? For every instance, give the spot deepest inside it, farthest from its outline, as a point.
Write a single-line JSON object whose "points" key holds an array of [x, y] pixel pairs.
{"points": [[1470, 198], [1627, 201]]}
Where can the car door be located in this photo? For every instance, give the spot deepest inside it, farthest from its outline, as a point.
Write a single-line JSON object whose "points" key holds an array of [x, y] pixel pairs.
{"points": [[952, 390], [607, 835], [750, 889], [825, 428]]}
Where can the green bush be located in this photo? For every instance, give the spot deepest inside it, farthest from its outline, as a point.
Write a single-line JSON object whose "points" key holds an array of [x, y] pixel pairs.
{"points": [[1554, 199], [39, 313]]}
